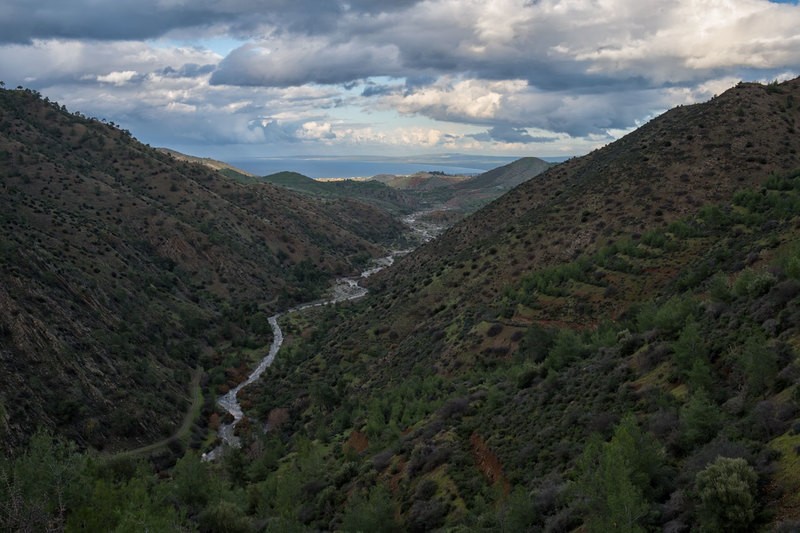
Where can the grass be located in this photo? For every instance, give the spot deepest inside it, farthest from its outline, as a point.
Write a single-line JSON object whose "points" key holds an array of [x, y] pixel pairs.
{"points": [[787, 474]]}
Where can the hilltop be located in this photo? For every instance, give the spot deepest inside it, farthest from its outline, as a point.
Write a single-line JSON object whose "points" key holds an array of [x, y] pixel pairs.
{"points": [[124, 268]]}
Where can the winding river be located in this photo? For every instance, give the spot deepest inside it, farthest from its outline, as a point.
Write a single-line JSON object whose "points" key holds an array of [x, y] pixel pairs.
{"points": [[344, 289]]}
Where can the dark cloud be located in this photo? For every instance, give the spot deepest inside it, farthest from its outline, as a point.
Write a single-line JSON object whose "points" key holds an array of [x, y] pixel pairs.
{"points": [[274, 64], [510, 134], [520, 70], [189, 70], [22, 21], [373, 89]]}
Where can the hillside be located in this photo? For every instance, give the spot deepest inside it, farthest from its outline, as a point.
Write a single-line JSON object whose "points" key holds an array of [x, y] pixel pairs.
{"points": [[124, 269], [450, 198], [506, 177], [369, 192], [420, 181], [637, 306], [219, 166], [613, 345]]}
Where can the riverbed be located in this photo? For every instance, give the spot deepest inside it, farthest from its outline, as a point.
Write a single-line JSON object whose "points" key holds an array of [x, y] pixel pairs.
{"points": [[344, 289]]}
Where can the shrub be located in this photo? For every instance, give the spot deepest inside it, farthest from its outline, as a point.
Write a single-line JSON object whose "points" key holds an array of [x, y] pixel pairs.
{"points": [[689, 347], [726, 489], [672, 314], [753, 283], [566, 348]]}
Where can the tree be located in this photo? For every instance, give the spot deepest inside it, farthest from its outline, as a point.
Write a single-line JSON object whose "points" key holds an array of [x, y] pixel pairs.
{"points": [[759, 364], [38, 487], [616, 478], [689, 348], [191, 482], [726, 489], [700, 419], [375, 512], [567, 347]]}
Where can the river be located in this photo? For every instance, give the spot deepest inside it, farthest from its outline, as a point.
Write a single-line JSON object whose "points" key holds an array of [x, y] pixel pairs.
{"points": [[344, 289]]}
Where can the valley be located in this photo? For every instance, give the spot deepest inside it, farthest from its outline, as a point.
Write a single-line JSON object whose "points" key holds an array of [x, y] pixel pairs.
{"points": [[611, 340], [343, 290]]}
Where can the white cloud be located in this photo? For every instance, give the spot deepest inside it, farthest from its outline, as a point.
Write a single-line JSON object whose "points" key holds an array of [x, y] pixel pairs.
{"points": [[466, 100], [117, 78]]}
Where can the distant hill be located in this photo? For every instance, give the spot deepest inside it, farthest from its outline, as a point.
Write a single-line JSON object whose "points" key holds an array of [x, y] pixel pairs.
{"points": [[458, 196], [370, 192], [124, 268], [508, 176], [420, 181], [220, 166]]}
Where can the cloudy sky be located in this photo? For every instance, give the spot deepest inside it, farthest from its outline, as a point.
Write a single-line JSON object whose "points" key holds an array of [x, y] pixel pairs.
{"points": [[244, 78]]}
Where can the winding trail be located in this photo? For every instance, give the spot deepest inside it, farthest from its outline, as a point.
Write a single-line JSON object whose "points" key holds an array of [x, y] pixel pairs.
{"points": [[344, 289], [191, 415]]}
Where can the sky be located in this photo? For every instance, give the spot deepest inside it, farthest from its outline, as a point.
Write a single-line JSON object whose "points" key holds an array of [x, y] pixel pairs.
{"points": [[263, 78]]}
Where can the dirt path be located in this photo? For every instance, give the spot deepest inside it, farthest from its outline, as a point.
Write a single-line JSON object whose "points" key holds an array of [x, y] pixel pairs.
{"points": [[188, 419]]}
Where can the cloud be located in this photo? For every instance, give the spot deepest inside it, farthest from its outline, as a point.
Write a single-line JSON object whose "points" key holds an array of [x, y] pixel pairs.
{"points": [[358, 74], [118, 78], [509, 134], [274, 63], [24, 21], [45, 63]]}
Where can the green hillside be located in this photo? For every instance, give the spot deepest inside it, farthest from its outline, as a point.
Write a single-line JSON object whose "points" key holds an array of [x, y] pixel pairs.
{"points": [[586, 345], [370, 192], [124, 269], [613, 345]]}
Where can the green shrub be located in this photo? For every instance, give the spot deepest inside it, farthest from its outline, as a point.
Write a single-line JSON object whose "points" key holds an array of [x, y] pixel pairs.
{"points": [[655, 239], [719, 288], [752, 283], [759, 364], [727, 489], [672, 314], [567, 347]]}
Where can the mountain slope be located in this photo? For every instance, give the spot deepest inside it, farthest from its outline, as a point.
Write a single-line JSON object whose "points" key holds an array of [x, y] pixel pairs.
{"points": [[122, 266], [370, 192], [508, 176], [219, 166], [666, 169], [637, 306]]}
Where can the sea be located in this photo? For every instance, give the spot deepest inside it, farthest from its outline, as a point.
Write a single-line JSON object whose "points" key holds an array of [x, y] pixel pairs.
{"points": [[363, 167]]}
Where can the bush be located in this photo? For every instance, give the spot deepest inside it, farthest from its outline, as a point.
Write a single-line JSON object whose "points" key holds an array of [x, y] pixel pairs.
{"points": [[224, 516], [689, 348], [566, 348], [753, 283], [672, 315], [726, 489], [373, 512]]}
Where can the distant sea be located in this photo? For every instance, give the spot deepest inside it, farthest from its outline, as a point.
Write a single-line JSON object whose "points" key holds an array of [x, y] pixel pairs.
{"points": [[355, 167]]}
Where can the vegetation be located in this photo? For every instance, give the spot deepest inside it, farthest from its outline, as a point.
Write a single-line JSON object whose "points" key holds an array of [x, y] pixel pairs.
{"points": [[124, 269], [612, 346]]}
